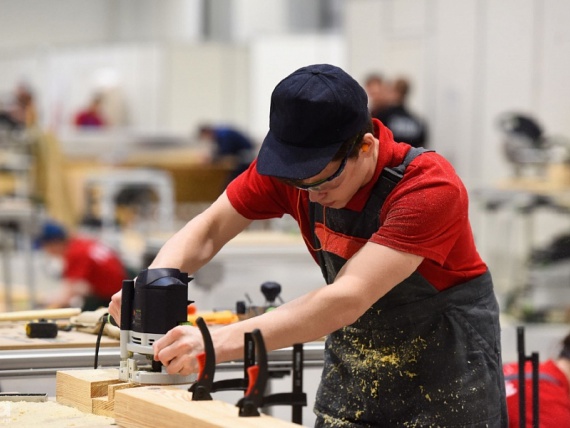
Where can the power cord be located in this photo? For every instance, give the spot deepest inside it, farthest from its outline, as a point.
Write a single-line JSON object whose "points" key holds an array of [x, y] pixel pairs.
{"points": [[103, 321]]}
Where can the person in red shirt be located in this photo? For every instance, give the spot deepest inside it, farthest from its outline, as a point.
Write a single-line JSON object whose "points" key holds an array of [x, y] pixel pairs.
{"points": [[92, 272], [91, 116], [409, 313], [554, 391]]}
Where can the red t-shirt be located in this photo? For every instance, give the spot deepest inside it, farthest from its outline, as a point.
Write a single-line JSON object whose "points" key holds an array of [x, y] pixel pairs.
{"points": [[98, 265], [553, 396], [426, 214]]}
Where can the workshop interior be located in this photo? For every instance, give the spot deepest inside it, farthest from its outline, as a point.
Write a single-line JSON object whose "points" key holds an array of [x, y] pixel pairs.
{"points": [[102, 108]]}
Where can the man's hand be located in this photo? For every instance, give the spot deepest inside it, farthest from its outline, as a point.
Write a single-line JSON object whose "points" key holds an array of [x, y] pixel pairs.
{"points": [[115, 307], [177, 350]]}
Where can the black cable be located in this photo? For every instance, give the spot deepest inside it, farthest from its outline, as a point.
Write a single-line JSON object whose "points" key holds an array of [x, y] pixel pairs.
{"points": [[103, 321]]}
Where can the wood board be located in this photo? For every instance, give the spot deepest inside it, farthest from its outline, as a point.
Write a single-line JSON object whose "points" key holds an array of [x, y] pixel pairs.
{"points": [[78, 388], [13, 337], [174, 408]]}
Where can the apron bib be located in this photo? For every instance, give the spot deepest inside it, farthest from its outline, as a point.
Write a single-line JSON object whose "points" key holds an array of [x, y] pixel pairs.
{"points": [[418, 357]]}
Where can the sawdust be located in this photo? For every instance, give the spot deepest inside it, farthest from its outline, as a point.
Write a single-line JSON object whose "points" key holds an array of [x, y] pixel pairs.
{"points": [[48, 414]]}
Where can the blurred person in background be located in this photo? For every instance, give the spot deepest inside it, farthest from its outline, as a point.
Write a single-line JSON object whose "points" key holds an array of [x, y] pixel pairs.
{"points": [[91, 116], [20, 111], [406, 126], [91, 271], [554, 391], [228, 145], [378, 94]]}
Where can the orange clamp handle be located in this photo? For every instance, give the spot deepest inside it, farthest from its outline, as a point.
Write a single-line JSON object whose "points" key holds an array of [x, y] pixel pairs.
{"points": [[201, 364], [252, 373]]}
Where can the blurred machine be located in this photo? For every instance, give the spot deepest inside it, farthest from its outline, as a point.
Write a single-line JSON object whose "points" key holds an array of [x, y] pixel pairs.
{"points": [[526, 145]]}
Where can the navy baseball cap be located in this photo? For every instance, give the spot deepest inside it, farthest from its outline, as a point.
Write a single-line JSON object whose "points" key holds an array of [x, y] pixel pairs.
{"points": [[313, 112], [50, 232]]}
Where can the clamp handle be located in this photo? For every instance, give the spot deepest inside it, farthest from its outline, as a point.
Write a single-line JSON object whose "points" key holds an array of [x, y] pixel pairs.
{"points": [[258, 374], [202, 388]]}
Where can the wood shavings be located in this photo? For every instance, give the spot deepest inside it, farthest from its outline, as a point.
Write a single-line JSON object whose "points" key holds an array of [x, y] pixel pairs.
{"points": [[48, 414]]}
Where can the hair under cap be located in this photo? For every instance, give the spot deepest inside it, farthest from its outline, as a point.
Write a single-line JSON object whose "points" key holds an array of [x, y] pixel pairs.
{"points": [[313, 112]]}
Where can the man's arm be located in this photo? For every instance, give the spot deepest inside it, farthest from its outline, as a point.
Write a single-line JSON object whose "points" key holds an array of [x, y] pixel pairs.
{"points": [[196, 243], [366, 277]]}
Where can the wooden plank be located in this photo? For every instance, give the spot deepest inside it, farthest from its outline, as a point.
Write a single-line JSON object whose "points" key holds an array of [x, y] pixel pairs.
{"points": [[13, 337], [173, 407], [77, 388], [40, 313]]}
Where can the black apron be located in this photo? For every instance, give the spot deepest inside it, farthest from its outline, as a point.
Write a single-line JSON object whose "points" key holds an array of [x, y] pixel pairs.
{"points": [[418, 357]]}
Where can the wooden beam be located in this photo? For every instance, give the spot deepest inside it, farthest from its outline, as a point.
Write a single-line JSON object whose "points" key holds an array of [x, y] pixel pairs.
{"points": [[40, 313], [77, 388], [174, 408]]}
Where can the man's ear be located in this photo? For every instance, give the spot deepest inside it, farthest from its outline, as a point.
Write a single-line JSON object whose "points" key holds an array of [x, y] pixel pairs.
{"points": [[367, 142]]}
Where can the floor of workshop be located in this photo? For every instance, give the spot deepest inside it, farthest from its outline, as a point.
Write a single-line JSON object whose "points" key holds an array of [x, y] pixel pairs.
{"points": [[237, 275]]}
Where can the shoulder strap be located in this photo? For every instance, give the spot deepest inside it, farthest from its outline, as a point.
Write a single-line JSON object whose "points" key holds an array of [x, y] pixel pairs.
{"points": [[390, 177]]}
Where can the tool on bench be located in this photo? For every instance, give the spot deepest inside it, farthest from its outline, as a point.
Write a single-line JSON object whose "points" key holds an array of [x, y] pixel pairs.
{"points": [[151, 306], [271, 290], [41, 329]]}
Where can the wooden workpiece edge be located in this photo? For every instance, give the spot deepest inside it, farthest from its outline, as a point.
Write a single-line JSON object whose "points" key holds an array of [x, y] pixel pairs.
{"points": [[173, 407]]}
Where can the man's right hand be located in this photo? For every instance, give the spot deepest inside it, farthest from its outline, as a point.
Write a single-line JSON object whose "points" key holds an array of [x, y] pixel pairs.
{"points": [[115, 307]]}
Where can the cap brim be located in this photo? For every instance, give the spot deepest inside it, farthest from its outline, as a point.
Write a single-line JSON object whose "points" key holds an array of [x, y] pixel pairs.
{"points": [[292, 162]]}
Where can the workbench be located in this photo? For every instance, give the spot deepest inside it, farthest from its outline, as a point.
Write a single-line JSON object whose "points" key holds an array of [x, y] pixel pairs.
{"points": [[30, 365]]}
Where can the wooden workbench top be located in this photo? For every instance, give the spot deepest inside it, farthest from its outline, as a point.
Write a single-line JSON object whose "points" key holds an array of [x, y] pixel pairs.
{"points": [[13, 337]]}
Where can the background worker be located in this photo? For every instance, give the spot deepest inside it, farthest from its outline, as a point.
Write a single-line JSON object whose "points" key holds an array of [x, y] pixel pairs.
{"points": [[412, 323], [228, 144], [554, 391], [91, 116], [406, 126], [378, 94], [91, 271]]}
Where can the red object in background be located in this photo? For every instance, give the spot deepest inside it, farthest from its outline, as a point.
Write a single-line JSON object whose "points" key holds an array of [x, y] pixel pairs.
{"points": [[554, 395]]}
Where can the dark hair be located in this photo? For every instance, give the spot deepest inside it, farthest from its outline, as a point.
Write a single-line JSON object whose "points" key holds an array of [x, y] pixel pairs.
{"points": [[565, 351], [350, 142]]}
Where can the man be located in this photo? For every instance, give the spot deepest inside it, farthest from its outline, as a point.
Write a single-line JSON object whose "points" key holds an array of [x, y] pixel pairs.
{"points": [[92, 272], [406, 126], [378, 93], [229, 145], [554, 391], [91, 116], [409, 311]]}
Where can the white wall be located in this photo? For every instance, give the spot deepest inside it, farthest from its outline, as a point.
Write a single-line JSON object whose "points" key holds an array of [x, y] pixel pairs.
{"points": [[469, 61]]}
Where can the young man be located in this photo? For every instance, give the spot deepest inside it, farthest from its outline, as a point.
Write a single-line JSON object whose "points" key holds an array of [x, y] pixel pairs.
{"points": [[409, 311], [92, 272]]}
